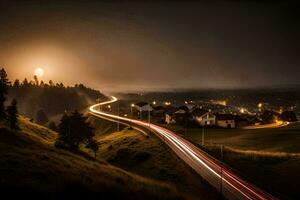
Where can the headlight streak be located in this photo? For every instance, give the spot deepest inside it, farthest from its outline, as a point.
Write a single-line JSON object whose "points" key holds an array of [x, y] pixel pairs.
{"points": [[188, 149]]}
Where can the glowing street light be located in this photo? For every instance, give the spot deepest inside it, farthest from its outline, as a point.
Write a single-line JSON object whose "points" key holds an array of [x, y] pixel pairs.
{"points": [[242, 110], [131, 106], [167, 103], [154, 102]]}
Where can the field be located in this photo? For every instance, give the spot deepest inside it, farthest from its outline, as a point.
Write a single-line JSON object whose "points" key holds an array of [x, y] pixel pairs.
{"points": [[31, 165], [270, 158]]}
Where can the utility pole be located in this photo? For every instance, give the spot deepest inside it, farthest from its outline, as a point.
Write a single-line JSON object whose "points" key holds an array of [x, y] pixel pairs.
{"points": [[149, 115], [141, 113], [118, 124], [203, 136], [131, 107]]}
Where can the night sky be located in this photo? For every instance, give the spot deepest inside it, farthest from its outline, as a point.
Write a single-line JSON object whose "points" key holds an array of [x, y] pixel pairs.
{"points": [[126, 45]]}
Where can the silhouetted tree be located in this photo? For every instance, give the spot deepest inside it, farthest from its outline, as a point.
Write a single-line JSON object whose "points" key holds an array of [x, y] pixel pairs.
{"points": [[16, 83], [4, 83], [52, 126], [12, 115], [25, 83], [74, 129], [51, 83], [41, 117], [289, 116], [42, 84], [36, 80], [269, 117], [92, 144]]}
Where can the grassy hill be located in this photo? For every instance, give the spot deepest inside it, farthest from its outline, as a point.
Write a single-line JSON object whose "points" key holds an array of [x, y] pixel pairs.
{"points": [[150, 157], [31, 165]]}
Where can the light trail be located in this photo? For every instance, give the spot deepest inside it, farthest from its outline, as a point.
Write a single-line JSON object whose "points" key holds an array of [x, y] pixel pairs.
{"points": [[233, 186]]}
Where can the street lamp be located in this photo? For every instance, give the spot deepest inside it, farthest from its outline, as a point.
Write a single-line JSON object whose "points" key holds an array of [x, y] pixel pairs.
{"points": [[154, 102], [149, 114], [131, 107]]}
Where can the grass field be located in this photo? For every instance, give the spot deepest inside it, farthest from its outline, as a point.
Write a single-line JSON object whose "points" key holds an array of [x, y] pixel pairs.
{"points": [[149, 157], [31, 165], [270, 158]]}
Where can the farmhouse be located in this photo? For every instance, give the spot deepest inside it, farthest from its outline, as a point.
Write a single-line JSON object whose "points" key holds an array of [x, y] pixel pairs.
{"points": [[174, 115], [143, 106], [225, 120], [204, 117]]}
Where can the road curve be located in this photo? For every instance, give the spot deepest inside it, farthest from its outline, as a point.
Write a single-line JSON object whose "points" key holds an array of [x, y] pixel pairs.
{"points": [[223, 179]]}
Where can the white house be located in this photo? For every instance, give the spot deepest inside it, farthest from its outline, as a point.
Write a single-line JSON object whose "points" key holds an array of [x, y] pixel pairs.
{"points": [[204, 117], [226, 120], [143, 106]]}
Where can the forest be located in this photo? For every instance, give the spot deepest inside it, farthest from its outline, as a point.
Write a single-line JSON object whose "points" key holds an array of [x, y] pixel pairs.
{"points": [[37, 99]]}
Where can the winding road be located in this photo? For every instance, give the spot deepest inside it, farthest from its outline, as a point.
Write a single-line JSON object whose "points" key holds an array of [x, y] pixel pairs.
{"points": [[223, 179]]}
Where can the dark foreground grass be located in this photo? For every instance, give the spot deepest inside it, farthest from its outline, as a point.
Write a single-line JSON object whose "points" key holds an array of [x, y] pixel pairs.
{"points": [[31, 167], [150, 157], [277, 173], [270, 158]]}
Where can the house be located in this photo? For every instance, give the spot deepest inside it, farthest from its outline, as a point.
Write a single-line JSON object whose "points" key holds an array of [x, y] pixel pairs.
{"points": [[174, 115], [169, 115], [143, 106], [225, 120], [204, 117], [190, 106], [158, 111]]}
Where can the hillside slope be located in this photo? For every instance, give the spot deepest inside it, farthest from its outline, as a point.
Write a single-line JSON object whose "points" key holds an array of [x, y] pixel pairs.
{"points": [[148, 156], [31, 165]]}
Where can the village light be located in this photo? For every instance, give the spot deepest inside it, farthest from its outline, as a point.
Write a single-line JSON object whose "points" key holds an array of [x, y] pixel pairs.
{"points": [[242, 110], [167, 103], [154, 102]]}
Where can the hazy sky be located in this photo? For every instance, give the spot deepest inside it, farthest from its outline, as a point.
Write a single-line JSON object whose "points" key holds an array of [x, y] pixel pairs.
{"points": [[135, 46]]}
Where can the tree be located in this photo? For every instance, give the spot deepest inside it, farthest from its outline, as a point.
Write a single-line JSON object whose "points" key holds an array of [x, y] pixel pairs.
{"points": [[289, 116], [25, 83], [74, 129], [16, 83], [51, 83], [12, 115], [92, 144], [4, 83], [269, 117], [52, 126], [36, 80], [41, 117]]}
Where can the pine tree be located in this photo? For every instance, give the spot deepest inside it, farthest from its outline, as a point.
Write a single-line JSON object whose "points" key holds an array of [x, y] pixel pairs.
{"points": [[16, 83], [25, 83], [36, 80], [74, 129], [3, 92], [12, 115], [52, 126]]}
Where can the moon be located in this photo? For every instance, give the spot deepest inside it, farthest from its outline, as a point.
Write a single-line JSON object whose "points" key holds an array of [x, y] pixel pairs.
{"points": [[39, 72]]}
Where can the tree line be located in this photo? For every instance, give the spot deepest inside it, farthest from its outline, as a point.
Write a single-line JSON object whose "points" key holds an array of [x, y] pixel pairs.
{"points": [[36, 98], [73, 129]]}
